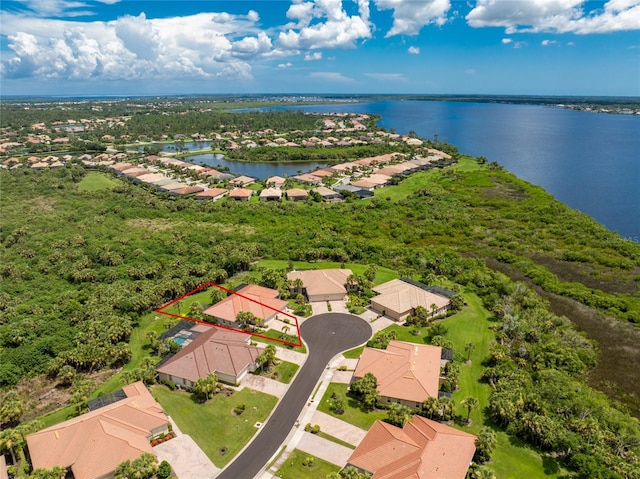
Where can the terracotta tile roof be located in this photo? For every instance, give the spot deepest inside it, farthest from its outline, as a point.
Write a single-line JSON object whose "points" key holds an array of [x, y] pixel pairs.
{"points": [[94, 444], [212, 193], [297, 193], [308, 178], [242, 181], [255, 299], [404, 370], [187, 190], [364, 183], [322, 173], [240, 193], [396, 295], [215, 350], [322, 281], [423, 449], [326, 192], [276, 180]]}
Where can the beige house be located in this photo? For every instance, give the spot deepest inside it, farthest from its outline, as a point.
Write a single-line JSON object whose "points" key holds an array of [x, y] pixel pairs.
{"points": [[271, 194], [407, 373], [322, 284], [297, 194], [216, 350], [242, 181], [422, 449], [398, 299], [262, 302], [92, 445], [212, 194], [275, 181]]}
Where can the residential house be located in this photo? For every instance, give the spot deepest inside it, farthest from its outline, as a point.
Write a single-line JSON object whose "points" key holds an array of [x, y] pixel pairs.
{"points": [[212, 194], [327, 194], [308, 178], [91, 446], [422, 449], [297, 194], [240, 194], [275, 181], [407, 373], [322, 284], [398, 299], [271, 194], [263, 303], [226, 353], [242, 181], [187, 190]]}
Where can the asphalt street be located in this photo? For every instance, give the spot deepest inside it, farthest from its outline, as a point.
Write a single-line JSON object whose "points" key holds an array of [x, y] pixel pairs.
{"points": [[326, 335]]}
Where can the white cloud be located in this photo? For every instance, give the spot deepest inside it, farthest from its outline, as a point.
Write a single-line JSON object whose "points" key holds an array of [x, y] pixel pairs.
{"points": [[559, 16], [387, 76], [330, 76], [56, 8], [546, 43], [409, 16], [520, 44], [285, 65], [414, 50], [312, 56], [506, 41], [339, 30], [206, 45]]}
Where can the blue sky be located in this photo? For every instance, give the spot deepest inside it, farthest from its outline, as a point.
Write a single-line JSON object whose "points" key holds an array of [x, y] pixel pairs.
{"points": [[112, 47]]}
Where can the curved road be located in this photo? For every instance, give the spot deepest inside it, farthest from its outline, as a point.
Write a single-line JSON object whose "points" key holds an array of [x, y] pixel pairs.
{"points": [[326, 335]]}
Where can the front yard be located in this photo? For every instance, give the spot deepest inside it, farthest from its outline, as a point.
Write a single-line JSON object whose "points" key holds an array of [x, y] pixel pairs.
{"points": [[213, 426], [294, 467]]}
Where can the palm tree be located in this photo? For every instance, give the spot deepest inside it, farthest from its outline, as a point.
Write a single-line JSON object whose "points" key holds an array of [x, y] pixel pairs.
{"points": [[470, 403], [10, 441], [11, 409], [469, 347], [431, 406], [285, 330]]}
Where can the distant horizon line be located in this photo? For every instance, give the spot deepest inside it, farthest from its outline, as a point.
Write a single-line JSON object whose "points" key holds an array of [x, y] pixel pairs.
{"points": [[309, 94]]}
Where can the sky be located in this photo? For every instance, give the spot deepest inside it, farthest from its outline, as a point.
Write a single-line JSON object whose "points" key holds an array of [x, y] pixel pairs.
{"points": [[160, 47]]}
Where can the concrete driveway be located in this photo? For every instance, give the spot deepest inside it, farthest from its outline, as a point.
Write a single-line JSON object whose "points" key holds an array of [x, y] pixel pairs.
{"points": [[326, 336]]}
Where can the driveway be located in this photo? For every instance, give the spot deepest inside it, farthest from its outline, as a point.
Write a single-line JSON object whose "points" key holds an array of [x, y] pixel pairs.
{"points": [[326, 335]]}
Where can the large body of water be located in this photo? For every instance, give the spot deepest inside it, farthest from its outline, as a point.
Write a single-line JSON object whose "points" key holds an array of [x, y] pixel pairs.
{"points": [[590, 161], [261, 171]]}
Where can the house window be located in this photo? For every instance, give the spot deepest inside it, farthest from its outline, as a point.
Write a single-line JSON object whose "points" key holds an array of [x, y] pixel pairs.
{"points": [[388, 399]]}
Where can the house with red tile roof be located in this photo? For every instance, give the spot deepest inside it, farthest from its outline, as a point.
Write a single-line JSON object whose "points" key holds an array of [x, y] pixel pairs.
{"points": [[242, 181], [212, 194], [216, 350], [263, 303], [240, 194], [406, 373], [91, 446], [422, 449], [275, 181]]}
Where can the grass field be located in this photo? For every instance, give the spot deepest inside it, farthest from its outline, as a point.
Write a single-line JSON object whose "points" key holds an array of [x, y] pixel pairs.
{"points": [[273, 333], [293, 468], [96, 181], [212, 425], [353, 353]]}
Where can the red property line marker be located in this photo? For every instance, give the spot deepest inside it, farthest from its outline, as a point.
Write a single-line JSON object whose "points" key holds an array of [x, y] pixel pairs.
{"points": [[162, 310]]}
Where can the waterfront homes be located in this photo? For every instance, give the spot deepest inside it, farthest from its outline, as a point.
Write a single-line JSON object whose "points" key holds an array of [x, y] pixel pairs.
{"points": [[275, 181], [242, 181], [263, 303], [399, 298], [321, 284], [422, 449], [327, 194], [407, 373], [216, 350], [92, 445]]}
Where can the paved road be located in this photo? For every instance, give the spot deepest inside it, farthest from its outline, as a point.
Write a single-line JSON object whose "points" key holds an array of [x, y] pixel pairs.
{"points": [[326, 335]]}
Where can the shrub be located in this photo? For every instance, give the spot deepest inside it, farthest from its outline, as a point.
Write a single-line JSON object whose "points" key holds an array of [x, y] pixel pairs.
{"points": [[164, 470], [170, 384], [315, 429], [342, 368], [239, 409]]}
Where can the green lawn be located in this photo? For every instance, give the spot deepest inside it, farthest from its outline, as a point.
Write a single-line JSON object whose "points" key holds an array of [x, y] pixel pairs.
{"points": [[353, 353], [331, 438], [95, 181], [293, 468], [382, 275], [354, 413], [212, 425], [272, 333], [285, 371]]}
